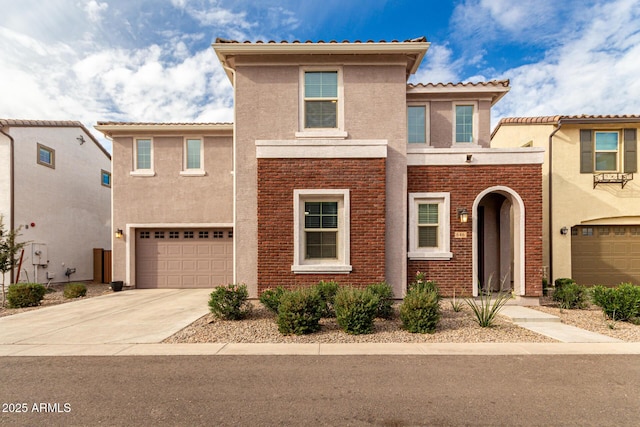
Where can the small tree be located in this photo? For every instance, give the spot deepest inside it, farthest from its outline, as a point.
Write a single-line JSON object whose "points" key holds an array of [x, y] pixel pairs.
{"points": [[9, 249]]}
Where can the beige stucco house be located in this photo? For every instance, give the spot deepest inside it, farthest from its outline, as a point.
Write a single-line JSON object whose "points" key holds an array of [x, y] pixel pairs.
{"points": [[55, 183], [335, 168], [591, 200]]}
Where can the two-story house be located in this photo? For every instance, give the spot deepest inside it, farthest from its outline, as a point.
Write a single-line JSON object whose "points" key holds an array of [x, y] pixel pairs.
{"points": [[334, 169], [55, 185], [591, 200]]}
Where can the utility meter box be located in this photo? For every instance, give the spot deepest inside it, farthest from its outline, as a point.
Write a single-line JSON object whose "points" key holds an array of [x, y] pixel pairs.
{"points": [[39, 254]]}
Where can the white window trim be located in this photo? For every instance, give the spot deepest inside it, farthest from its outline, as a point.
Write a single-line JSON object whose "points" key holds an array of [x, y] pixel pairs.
{"points": [[619, 160], [475, 124], [195, 171], [341, 265], [339, 132], [427, 124], [142, 172], [442, 252]]}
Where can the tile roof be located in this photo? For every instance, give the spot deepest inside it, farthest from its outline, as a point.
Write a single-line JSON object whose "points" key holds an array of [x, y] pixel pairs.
{"points": [[494, 83], [582, 118], [415, 40]]}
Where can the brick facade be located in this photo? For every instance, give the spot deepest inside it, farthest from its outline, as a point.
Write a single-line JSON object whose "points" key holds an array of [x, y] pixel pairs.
{"points": [[464, 183], [277, 178]]}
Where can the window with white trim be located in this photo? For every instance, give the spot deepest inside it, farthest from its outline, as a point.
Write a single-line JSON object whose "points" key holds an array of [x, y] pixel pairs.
{"points": [[321, 231], [193, 154], [143, 157], [321, 103], [429, 228], [606, 151], [465, 123], [417, 124], [46, 156]]}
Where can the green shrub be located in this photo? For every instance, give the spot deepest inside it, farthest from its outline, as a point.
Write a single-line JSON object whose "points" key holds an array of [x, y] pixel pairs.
{"points": [[570, 295], [356, 309], [385, 299], [271, 298], [327, 291], [75, 290], [421, 284], [21, 295], [230, 302], [420, 311], [562, 281], [484, 310], [619, 303], [300, 311]]}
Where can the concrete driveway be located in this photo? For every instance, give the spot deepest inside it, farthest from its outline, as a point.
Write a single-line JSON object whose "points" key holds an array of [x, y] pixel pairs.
{"points": [[128, 317]]}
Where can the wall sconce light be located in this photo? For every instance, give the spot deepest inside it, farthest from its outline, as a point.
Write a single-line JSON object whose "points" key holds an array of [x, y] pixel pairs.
{"points": [[564, 230], [119, 233], [463, 215], [469, 158]]}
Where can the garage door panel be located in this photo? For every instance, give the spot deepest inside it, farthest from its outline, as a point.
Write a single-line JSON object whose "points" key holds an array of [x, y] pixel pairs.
{"points": [[188, 259], [606, 255]]}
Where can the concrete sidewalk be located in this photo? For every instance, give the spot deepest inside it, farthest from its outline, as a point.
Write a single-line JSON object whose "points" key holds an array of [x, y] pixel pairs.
{"points": [[135, 322]]}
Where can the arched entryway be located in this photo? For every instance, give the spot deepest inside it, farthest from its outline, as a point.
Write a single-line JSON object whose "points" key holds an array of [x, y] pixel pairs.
{"points": [[498, 241]]}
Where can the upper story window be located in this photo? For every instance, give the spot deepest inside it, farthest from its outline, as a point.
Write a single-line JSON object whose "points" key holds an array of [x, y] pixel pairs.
{"points": [[417, 124], [193, 157], [143, 157], [105, 178], [321, 103], [464, 128], [46, 156], [608, 151]]}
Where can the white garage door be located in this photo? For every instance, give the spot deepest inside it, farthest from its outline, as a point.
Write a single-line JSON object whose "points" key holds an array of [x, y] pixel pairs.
{"points": [[184, 258], [605, 255]]}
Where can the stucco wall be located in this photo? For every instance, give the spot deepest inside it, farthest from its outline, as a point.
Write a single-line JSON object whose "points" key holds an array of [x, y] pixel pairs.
{"points": [[168, 197], [69, 206], [5, 179]]}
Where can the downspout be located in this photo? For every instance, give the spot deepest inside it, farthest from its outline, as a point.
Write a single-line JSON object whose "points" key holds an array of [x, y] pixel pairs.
{"points": [[233, 139], [11, 189], [549, 202]]}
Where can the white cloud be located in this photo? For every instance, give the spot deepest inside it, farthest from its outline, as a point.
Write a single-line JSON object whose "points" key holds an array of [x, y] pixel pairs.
{"points": [[594, 72], [95, 9], [438, 67]]}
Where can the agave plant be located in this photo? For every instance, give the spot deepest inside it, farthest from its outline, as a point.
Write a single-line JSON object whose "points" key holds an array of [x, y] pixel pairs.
{"points": [[487, 307]]}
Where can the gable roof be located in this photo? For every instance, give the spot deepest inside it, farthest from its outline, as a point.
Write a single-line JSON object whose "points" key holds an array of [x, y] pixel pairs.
{"points": [[576, 119], [52, 123], [414, 49], [496, 88]]}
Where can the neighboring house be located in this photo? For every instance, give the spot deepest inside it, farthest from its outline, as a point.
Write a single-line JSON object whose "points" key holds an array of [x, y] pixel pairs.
{"points": [[334, 169], [591, 200], [55, 183]]}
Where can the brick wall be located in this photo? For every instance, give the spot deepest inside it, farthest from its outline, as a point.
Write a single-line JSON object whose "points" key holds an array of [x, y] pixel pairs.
{"points": [[464, 183], [277, 178]]}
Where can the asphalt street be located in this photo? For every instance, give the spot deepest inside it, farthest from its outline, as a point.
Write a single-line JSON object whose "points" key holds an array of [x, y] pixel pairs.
{"points": [[321, 390]]}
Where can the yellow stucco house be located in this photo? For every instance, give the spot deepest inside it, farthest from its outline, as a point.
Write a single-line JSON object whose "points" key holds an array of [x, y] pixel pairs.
{"points": [[591, 201]]}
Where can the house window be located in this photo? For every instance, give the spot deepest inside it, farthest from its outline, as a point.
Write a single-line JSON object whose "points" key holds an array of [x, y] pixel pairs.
{"points": [[606, 151], [416, 124], [46, 156], [321, 231], [321, 103], [193, 157], [429, 235], [465, 123], [143, 157], [106, 178]]}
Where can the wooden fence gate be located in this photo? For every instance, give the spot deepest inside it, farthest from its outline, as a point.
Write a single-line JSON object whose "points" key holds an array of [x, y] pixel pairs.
{"points": [[101, 265]]}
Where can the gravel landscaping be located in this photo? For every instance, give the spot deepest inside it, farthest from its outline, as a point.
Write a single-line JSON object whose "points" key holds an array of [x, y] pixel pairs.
{"points": [[55, 296]]}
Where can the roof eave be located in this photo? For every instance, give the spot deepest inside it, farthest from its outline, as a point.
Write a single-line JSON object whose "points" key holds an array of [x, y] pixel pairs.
{"points": [[109, 129]]}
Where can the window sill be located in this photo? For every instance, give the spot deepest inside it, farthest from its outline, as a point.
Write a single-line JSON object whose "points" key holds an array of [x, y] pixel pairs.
{"points": [[193, 173], [146, 173], [322, 134], [321, 269], [430, 256]]}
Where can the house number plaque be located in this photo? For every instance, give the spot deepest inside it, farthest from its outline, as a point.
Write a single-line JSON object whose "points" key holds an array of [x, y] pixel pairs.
{"points": [[460, 234]]}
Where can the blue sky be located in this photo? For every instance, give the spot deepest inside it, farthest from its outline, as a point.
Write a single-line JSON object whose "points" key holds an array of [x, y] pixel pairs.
{"points": [[151, 60]]}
